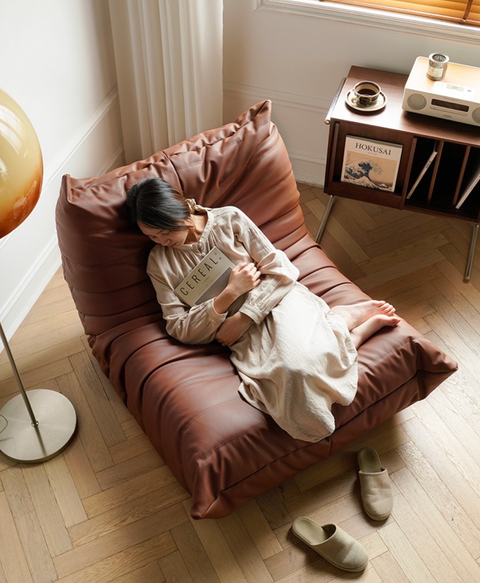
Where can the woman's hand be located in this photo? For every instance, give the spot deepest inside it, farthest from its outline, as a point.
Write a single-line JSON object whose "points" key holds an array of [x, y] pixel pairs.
{"points": [[243, 278], [233, 327]]}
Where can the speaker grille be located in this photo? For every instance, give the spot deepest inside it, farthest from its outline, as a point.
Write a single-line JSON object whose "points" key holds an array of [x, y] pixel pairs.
{"points": [[416, 101]]}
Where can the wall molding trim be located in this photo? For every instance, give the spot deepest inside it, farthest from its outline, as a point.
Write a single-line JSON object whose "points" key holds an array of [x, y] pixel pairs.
{"points": [[382, 19], [92, 150], [79, 138], [307, 167], [295, 100], [114, 161]]}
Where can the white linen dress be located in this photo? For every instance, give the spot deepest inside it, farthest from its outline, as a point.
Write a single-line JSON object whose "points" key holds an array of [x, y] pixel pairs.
{"points": [[296, 358]]}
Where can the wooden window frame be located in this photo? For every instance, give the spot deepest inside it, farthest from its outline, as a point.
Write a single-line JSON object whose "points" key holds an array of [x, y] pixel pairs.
{"points": [[465, 12], [385, 19]]}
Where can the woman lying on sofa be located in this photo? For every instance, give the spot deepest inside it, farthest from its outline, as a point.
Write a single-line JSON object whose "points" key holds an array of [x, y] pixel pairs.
{"points": [[295, 356]]}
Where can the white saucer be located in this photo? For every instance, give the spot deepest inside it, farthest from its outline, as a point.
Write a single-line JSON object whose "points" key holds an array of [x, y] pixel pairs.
{"points": [[377, 106]]}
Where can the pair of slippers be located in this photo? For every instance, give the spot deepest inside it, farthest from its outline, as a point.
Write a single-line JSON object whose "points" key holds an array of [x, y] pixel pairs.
{"points": [[332, 542]]}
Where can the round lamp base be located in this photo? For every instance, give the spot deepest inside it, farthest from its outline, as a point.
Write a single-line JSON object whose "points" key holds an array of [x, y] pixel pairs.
{"points": [[57, 421]]}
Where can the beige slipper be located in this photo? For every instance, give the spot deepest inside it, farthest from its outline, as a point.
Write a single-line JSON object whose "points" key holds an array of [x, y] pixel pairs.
{"points": [[332, 543], [375, 485]]}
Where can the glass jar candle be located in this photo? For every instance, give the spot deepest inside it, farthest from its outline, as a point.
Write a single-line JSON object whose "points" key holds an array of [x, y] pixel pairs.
{"points": [[437, 66]]}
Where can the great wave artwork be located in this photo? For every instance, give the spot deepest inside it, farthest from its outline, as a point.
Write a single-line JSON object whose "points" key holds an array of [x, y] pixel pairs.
{"points": [[370, 163]]}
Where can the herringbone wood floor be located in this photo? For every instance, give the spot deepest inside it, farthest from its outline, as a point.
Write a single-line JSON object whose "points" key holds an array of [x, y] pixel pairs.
{"points": [[108, 509]]}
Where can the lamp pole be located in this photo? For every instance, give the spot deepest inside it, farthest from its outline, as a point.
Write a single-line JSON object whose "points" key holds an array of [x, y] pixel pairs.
{"points": [[17, 377]]}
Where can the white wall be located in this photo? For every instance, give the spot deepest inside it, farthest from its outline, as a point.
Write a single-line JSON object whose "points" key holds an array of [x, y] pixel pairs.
{"points": [[298, 61], [57, 63]]}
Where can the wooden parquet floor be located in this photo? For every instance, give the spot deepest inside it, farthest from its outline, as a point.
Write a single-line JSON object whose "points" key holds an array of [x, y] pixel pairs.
{"points": [[109, 510]]}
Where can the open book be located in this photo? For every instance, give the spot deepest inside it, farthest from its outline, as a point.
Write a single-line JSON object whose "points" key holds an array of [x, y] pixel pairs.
{"points": [[424, 169], [472, 175], [207, 280]]}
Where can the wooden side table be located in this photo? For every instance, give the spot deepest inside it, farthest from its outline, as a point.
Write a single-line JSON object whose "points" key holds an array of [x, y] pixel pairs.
{"points": [[440, 189]]}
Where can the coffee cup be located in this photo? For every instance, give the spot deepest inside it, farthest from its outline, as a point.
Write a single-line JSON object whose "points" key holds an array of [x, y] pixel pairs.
{"points": [[366, 93]]}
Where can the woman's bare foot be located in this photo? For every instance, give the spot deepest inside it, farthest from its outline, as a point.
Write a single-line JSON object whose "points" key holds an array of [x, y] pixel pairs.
{"points": [[360, 333], [357, 314]]}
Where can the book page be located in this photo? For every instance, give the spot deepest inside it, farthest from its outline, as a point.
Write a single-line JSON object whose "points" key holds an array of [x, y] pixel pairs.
{"points": [[472, 176], [424, 169]]}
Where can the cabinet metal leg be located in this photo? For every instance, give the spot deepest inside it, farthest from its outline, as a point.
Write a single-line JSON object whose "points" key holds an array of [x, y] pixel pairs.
{"points": [[471, 253], [324, 220]]}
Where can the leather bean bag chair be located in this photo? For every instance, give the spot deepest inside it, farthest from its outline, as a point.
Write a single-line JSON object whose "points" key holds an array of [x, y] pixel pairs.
{"points": [[222, 450]]}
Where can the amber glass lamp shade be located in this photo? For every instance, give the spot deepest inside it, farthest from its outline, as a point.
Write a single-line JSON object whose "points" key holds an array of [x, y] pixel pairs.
{"points": [[37, 426], [21, 165]]}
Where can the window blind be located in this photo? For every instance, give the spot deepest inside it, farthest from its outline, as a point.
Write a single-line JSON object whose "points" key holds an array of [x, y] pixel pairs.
{"points": [[459, 11]]}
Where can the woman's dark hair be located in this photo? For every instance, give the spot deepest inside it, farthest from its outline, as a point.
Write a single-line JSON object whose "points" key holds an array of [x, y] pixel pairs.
{"points": [[155, 203]]}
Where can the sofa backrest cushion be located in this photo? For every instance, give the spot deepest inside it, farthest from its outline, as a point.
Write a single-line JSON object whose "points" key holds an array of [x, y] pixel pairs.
{"points": [[243, 163]]}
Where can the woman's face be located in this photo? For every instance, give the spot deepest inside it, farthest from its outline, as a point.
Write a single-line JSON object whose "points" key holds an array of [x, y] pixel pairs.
{"points": [[166, 238]]}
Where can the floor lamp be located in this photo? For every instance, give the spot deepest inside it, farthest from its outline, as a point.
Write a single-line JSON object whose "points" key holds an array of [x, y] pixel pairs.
{"points": [[38, 424]]}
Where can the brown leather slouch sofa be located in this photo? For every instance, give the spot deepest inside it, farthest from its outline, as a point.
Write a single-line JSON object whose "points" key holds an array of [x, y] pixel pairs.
{"points": [[222, 450]]}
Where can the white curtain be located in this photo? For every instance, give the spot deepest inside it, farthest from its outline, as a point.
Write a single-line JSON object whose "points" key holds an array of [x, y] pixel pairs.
{"points": [[168, 56]]}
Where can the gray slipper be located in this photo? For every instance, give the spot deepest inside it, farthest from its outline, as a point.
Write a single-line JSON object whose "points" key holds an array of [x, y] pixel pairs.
{"points": [[375, 486], [332, 543]]}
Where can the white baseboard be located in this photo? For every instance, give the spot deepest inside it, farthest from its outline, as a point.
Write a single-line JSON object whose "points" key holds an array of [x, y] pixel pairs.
{"points": [[308, 169]]}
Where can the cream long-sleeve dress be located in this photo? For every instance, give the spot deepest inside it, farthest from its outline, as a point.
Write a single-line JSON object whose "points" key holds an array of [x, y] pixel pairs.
{"points": [[296, 358]]}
